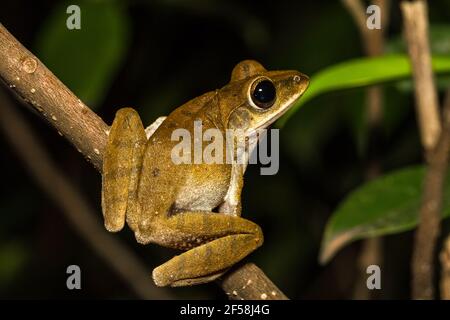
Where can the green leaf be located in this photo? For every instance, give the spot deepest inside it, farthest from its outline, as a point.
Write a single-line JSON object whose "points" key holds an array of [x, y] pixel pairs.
{"points": [[390, 204], [86, 59], [359, 73]]}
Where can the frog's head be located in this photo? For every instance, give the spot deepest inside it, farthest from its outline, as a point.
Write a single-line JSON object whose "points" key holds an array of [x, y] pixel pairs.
{"points": [[255, 97]]}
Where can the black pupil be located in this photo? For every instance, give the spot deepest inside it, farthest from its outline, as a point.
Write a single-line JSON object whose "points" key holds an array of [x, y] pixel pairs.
{"points": [[264, 94]]}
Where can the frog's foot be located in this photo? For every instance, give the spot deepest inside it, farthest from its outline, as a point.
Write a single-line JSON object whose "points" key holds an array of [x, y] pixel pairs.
{"points": [[233, 238], [192, 282], [206, 262]]}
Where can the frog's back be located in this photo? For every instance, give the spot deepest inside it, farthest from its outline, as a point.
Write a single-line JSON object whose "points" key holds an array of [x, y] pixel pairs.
{"points": [[167, 187]]}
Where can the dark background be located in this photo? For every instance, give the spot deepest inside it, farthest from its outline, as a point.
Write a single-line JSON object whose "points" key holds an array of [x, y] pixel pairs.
{"points": [[156, 55]]}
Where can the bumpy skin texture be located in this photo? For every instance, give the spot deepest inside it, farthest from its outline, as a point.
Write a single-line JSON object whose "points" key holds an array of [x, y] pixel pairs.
{"points": [[172, 205]]}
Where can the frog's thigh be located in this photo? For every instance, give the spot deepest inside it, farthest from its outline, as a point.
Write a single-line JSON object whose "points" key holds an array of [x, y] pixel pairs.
{"points": [[122, 163], [235, 238]]}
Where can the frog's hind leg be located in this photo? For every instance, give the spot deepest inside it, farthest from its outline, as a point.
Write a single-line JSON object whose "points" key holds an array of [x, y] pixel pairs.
{"points": [[122, 164], [216, 243]]}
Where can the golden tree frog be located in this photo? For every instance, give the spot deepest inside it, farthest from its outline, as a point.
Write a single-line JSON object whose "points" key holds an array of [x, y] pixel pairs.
{"points": [[193, 207]]}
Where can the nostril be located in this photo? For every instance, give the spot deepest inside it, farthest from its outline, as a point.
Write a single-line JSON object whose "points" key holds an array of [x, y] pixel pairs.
{"points": [[297, 79]]}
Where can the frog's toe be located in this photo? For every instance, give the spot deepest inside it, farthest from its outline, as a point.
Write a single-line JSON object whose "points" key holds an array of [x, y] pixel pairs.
{"points": [[142, 238], [160, 278]]}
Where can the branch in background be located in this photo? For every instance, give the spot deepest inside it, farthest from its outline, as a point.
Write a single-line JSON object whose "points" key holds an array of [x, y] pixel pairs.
{"points": [[36, 85], [431, 212], [373, 42], [445, 270], [415, 25], [445, 252], [76, 209], [372, 39], [435, 143]]}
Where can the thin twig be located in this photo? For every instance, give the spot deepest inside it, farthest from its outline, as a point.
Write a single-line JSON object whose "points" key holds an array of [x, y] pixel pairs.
{"points": [[445, 251], [430, 213], [373, 43], [435, 143], [445, 270], [372, 39], [76, 209], [415, 18], [39, 87]]}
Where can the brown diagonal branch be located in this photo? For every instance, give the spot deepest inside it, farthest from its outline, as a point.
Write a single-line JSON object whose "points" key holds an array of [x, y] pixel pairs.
{"points": [[39, 87], [248, 282], [76, 209]]}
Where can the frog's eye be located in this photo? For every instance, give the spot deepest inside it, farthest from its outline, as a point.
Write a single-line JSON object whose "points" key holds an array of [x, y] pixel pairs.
{"points": [[263, 93]]}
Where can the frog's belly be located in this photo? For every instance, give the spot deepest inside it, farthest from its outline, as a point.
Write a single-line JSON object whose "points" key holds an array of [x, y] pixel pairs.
{"points": [[203, 194]]}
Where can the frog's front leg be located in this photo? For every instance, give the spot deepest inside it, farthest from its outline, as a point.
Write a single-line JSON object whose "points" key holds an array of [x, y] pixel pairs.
{"points": [[218, 241], [232, 201]]}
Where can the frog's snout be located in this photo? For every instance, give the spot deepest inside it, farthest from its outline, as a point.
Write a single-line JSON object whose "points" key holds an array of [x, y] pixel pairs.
{"points": [[301, 80], [300, 77]]}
